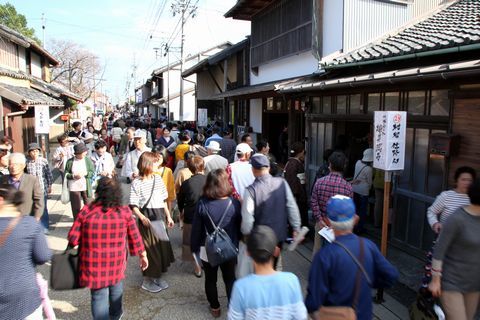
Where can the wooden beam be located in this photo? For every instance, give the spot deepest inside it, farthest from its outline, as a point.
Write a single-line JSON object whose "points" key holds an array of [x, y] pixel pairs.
{"points": [[221, 68], [214, 80]]}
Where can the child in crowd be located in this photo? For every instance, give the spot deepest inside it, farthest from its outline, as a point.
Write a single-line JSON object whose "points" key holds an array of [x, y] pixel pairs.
{"points": [[267, 294]]}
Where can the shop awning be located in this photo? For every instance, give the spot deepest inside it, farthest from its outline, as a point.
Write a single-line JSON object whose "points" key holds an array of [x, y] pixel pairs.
{"points": [[29, 96], [441, 71], [257, 90]]}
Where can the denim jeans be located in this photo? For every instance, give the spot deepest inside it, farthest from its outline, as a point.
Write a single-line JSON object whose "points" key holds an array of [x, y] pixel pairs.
{"points": [[107, 302], [44, 218]]}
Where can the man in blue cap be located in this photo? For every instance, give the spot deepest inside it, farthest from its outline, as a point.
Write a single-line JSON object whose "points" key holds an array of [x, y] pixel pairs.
{"points": [[335, 277]]}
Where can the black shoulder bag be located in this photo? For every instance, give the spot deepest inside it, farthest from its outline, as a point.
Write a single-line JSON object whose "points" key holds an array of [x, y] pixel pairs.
{"points": [[218, 245], [148, 212]]}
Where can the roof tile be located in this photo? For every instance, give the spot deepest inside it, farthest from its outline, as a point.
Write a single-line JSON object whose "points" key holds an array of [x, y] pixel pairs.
{"points": [[456, 25]]}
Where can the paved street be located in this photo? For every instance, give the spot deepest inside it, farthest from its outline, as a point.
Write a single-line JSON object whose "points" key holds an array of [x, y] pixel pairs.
{"points": [[185, 299]]}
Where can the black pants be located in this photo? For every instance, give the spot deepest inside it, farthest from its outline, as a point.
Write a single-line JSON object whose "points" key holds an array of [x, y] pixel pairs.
{"points": [[76, 198], [228, 274]]}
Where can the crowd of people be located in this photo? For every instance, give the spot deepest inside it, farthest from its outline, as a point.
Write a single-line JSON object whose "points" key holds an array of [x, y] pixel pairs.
{"points": [[224, 196]]}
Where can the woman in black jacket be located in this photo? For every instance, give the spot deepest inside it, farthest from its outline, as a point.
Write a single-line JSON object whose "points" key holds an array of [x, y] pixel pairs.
{"points": [[187, 199], [216, 201]]}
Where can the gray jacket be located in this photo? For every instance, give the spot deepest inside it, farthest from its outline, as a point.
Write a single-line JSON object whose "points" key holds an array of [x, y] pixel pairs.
{"points": [[33, 199]]}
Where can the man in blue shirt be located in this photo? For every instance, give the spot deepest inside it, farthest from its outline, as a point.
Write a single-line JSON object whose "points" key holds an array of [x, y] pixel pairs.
{"points": [[267, 294], [333, 272]]}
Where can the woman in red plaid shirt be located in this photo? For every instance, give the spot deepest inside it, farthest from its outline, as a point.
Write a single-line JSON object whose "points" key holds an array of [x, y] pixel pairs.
{"points": [[101, 230]]}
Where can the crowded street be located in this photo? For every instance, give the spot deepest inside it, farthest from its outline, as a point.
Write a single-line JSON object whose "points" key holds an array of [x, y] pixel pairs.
{"points": [[185, 298], [240, 159]]}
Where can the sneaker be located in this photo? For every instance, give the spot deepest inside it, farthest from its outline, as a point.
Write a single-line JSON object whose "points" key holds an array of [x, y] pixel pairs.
{"points": [[150, 286], [161, 283]]}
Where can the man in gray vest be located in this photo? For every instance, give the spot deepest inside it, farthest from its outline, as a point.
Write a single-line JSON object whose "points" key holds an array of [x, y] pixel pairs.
{"points": [[269, 201]]}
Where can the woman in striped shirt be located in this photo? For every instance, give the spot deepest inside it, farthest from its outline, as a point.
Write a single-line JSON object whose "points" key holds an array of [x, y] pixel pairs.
{"points": [[148, 196], [444, 205], [449, 201]]}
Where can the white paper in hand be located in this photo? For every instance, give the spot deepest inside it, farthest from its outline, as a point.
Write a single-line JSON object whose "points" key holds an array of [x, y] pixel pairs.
{"points": [[159, 229], [299, 238], [327, 233]]}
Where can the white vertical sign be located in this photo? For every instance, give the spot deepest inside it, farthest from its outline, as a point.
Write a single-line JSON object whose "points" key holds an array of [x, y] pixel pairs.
{"points": [[42, 119], [202, 117], [390, 129]]}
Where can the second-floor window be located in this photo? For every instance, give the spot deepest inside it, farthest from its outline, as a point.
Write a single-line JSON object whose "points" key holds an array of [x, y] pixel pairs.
{"points": [[8, 54], [283, 29]]}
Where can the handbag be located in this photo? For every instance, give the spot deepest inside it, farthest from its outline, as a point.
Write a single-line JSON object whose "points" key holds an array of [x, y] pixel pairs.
{"points": [[65, 273], [423, 307], [65, 196], [342, 312], [218, 245]]}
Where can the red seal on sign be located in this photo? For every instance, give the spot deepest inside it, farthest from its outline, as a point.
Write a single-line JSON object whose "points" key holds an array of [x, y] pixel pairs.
{"points": [[397, 118]]}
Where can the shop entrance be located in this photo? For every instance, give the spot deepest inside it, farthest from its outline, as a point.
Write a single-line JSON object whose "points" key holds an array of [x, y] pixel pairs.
{"points": [[352, 138], [273, 126]]}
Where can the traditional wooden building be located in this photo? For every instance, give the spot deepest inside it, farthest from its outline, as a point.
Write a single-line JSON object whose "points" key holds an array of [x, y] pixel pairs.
{"points": [[217, 75], [289, 38], [429, 68], [160, 94], [25, 84]]}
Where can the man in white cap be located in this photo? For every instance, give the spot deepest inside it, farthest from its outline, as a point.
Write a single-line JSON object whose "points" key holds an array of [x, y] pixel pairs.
{"points": [[240, 172], [130, 170], [214, 161]]}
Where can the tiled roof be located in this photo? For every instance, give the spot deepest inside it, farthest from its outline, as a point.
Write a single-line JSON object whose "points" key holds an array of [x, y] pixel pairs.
{"points": [[31, 96], [456, 25]]}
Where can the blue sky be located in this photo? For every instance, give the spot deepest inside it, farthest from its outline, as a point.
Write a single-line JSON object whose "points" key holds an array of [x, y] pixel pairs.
{"points": [[118, 31]]}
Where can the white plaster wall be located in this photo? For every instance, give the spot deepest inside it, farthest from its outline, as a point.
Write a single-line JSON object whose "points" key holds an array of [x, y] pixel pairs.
{"points": [[189, 108], [293, 66], [256, 115], [332, 29], [36, 65]]}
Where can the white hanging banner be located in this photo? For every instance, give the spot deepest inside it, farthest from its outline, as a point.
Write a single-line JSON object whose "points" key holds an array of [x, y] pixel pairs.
{"points": [[202, 117], [42, 119], [389, 140]]}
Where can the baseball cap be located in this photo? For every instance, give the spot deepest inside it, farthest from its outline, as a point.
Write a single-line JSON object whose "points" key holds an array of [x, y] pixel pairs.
{"points": [[259, 161], [243, 148], [214, 145], [261, 243], [340, 208], [139, 133]]}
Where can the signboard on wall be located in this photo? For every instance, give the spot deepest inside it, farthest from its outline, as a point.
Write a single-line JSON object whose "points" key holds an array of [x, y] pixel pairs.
{"points": [[42, 119], [202, 117], [390, 129]]}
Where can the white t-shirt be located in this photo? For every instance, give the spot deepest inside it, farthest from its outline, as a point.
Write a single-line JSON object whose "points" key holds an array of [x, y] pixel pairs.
{"points": [[242, 175], [79, 166]]}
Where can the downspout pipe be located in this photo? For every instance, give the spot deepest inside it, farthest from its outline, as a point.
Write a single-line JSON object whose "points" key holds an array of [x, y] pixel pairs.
{"points": [[470, 47], [12, 114]]}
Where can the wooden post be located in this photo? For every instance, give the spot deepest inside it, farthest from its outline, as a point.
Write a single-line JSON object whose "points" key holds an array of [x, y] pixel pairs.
{"points": [[384, 240], [386, 206]]}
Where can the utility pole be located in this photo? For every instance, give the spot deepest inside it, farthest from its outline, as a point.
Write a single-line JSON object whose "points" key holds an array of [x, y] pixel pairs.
{"points": [[43, 29], [185, 9]]}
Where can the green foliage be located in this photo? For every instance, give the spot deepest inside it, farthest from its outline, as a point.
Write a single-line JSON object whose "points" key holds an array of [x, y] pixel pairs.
{"points": [[12, 19], [72, 104]]}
